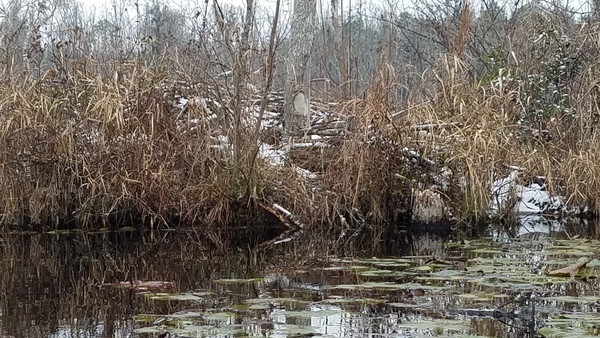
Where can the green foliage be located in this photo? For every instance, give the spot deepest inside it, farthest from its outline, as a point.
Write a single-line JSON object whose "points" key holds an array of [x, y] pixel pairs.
{"points": [[495, 63], [543, 76], [547, 84]]}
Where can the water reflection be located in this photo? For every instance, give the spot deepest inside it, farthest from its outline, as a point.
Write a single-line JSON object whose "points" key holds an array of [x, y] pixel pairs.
{"points": [[97, 285], [51, 284]]}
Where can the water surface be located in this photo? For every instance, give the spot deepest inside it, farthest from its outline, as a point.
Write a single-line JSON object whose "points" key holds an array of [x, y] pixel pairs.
{"points": [[126, 285]]}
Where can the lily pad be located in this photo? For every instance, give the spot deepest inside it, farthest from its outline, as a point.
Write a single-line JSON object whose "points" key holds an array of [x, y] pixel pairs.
{"points": [[574, 299], [376, 273], [288, 330], [273, 300], [219, 316], [309, 314], [411, 305], [174, 296], [445, 324], [239, 280]]}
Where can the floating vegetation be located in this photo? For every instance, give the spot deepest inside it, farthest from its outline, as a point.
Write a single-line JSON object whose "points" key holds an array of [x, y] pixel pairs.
{"points": [[464, 292], [273, 300], [139, 285], [177, 296], [517, 282], [238, 280]]}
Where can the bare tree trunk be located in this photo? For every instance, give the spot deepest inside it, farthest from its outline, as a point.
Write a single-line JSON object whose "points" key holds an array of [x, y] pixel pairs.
{"points": [[297, 88], [338, 38], [269, 67], [240, 73]]}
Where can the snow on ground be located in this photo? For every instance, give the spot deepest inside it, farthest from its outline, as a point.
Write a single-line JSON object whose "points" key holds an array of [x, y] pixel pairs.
{"points": [[272, 155], [181, 102], [531, 203], [275, 155], [305, 173], [525, 200], [535, 199]]}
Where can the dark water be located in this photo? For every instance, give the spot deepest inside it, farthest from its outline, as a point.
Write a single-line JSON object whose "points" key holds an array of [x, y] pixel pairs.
{"points": [[52, 285], [65, 286]]}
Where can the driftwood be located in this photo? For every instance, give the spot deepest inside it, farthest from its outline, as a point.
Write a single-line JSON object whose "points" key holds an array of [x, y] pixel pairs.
{"points": [[290, 221], [571, 270], [138, 285]]}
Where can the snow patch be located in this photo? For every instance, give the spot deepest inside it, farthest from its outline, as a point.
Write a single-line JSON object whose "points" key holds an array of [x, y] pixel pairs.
{"points": [[305, 173], [524, 200], [181, 102], [274, 156]]}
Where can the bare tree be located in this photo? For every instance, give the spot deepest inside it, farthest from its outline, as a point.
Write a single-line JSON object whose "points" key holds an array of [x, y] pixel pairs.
{"points": [[14, 20], [338, 38], [164, 27], [297, 88]]}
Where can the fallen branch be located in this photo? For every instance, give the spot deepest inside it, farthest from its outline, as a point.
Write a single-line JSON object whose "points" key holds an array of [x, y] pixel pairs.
{"points": [[288, 219], [571, 270]]}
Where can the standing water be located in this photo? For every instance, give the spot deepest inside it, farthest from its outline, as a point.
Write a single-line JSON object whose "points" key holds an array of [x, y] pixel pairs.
{"points": [[123, 285]]}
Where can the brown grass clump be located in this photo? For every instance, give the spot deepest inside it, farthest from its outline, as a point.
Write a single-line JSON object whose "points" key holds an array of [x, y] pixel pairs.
{"points": [[368, 178], [94, 150], [478, 130], [89, 150]]}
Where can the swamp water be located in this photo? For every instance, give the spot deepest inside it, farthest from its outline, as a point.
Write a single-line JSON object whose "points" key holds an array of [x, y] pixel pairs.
{"points": [[121, 285]]}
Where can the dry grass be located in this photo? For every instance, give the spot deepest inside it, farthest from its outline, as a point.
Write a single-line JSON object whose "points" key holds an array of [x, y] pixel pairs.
{"points": [[94, 151], [96, 148], [479, 133]]}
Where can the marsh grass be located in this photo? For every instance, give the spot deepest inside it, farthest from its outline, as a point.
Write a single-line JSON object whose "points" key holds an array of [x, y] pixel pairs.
{"points": [[94, 150], [98, 148], [478, 131]]}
